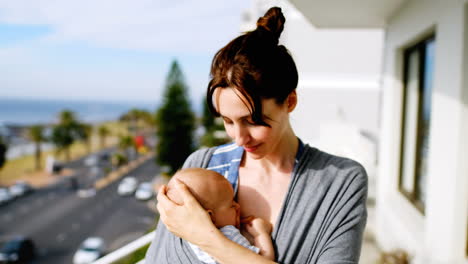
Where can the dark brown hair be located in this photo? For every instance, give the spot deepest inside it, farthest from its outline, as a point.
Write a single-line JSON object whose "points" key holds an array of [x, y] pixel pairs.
{"points": [[256, 66]]}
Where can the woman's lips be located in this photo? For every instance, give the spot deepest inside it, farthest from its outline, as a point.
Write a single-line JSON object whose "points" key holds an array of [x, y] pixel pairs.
{"points": [[251, 149]]}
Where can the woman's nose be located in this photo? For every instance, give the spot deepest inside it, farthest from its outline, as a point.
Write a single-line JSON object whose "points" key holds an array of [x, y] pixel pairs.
{"points": [[241, 136]]}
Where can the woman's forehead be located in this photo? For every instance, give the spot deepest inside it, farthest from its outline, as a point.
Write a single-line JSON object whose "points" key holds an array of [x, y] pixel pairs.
{"points": [[229, 102]]}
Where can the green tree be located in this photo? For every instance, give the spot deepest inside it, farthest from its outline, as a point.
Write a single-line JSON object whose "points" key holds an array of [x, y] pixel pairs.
{"points": [[137, 119], [176, 122], [3, 150], [84, 133], [126, 142], [208, 120], [65, 132], [36, 135], [213, 126], [131, 118], [103, 132]]}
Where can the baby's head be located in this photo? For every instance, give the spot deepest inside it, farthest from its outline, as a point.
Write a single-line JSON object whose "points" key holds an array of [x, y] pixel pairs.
{"points": [[212, 191]]}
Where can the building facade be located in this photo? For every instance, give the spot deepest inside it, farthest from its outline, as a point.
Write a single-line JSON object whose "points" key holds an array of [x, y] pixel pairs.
{"points": [[422, 183]]}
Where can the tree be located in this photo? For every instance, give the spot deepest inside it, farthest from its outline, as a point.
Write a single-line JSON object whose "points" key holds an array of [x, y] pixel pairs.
{"points": [[65, 132], [3, 151], [176, 122], [36, 135], [103, 132], [84, 133], [131, 117], [208, 120], [213, 128], [137, 119], [127, 145]]}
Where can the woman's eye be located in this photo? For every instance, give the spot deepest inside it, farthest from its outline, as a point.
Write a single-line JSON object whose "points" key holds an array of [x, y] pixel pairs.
{"points": [[250, 122]]}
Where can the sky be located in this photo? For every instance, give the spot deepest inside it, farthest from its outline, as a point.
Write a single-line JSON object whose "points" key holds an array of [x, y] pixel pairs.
{"points": [[110, 50]]}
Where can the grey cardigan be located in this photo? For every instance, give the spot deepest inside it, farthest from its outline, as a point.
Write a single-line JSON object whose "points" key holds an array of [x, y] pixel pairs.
{"points": [[322, 219]]}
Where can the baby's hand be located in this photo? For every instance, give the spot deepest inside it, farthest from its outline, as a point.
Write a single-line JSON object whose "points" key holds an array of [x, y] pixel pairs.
{"points": [[258, 226]]}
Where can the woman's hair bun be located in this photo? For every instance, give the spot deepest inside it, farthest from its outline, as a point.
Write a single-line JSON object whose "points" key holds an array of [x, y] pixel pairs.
{"points": [[272, 21]]}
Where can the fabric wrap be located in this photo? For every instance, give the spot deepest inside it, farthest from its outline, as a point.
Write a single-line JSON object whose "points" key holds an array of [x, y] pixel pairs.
{"points": [[322, 219]]}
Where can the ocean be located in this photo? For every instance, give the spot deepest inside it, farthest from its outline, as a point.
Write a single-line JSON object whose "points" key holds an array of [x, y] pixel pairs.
{"points": [[33, 111]]}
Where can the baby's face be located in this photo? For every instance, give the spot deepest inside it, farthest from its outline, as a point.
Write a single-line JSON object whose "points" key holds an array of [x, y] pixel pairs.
{"points": [[227, 213]]}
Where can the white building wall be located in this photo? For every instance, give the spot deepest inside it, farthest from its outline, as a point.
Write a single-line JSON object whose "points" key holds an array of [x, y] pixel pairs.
{"points": [[440, 235], [338, 70]]}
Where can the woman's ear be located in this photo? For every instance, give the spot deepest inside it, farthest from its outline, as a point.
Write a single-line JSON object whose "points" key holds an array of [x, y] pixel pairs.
{"points": [[292, 101]]}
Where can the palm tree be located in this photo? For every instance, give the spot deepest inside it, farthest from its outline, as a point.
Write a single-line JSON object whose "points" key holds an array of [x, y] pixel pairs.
{"points": [[67, 117], [65, 132], [3, 150], [36, 135], [103, 132], [84, 134], [125, 143]]}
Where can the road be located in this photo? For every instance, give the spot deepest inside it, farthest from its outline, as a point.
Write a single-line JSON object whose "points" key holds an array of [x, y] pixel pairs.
{"points": [[58, 220]]}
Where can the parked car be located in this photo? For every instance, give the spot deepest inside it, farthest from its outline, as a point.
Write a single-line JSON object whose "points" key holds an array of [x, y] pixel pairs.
{"points": [[20, 188], [104, 157], [91, 161], [144, 191], [17, 250], [5, 196], [90, 250], [127, 186]]}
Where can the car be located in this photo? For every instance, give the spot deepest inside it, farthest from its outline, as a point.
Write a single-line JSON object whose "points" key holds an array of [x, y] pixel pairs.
{"points": [[104, 157], [127, 186], [144, 191], [20, 188], [5, 196], [18, 249], [90, 250], [91, 161]]}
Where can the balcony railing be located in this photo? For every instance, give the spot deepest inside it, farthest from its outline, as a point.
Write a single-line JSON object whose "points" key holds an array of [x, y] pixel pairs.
{"points": [[126, 250]]}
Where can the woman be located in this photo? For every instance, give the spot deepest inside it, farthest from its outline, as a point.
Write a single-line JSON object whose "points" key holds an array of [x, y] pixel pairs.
{"points": [[315, 201]]}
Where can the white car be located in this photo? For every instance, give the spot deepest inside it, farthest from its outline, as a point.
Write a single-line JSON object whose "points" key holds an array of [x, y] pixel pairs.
{"points": [[90, 250], [5, 195], [144, 191], [91, 161], [20, 188], [127, 186]]}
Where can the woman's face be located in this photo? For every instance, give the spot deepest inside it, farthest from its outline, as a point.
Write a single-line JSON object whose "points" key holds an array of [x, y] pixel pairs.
{"points": [[258, 141]]}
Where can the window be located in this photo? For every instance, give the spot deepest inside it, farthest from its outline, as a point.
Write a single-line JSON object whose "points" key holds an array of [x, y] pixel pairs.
{"points": [[418, 72]]}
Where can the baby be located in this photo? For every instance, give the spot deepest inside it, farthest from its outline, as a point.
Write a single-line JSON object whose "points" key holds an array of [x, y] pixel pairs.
{"points": [[215, 194]]}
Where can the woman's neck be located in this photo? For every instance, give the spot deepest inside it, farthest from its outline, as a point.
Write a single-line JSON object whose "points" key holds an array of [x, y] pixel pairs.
{"points": [[281, 159]]}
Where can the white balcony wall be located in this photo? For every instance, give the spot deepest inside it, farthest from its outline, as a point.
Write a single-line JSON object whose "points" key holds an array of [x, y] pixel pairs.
{"points": [[439, 236]]}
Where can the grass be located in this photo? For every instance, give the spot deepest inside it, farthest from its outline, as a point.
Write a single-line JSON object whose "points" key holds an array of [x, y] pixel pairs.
{"points": [[24, 167]]}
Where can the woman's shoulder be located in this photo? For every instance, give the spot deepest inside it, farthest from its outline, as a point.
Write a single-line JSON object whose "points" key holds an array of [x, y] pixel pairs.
{"points": [[331, 166], [202, 156]]}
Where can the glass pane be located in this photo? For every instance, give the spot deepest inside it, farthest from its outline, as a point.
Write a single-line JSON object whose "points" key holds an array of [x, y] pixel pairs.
{"points": [[410, 125], [425, 120]]}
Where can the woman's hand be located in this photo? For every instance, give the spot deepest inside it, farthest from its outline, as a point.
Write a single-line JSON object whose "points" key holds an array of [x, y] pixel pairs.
{"points": [[189, 220]]}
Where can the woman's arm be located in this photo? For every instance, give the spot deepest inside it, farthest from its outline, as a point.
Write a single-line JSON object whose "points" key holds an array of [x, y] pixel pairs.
{"points": [[191, 222]]}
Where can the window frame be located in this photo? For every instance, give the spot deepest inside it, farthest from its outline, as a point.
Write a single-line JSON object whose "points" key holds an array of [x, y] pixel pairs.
{"points": [[420, 47]]}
